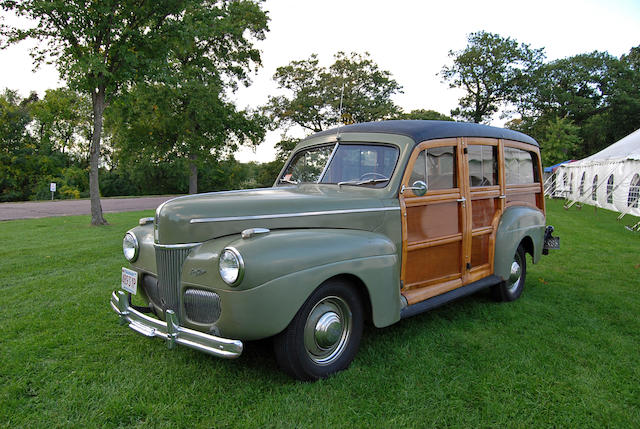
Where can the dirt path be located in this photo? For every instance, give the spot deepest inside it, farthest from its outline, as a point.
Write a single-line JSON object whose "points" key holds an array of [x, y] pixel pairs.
{"points": [[31, 210]]}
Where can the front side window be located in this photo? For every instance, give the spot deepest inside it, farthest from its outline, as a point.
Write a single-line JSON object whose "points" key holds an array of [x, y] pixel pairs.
{"points": [[436, 167], [441, 168], [348, 164]]}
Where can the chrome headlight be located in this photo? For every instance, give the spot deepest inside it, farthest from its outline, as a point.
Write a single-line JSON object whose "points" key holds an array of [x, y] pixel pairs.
{"points": [[130, 246], [231, 266]]}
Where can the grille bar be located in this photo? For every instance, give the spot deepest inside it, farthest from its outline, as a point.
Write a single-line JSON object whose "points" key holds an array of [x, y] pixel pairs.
{"points": [[202, 306], [169, 261]]}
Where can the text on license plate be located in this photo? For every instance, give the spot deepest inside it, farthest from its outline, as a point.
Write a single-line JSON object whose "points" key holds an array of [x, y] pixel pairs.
{"points": [[129, 280]]}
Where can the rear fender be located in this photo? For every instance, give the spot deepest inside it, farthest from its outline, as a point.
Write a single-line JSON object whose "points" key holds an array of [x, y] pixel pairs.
{"points": [[518, 224]]}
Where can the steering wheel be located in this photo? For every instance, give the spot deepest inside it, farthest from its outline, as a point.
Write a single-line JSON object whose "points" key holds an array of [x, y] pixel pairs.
{"points": [[373, 175]]}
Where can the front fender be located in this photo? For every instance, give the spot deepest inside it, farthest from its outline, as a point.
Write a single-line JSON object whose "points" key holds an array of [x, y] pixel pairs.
{"points": [[516, 224], [282, 268]]}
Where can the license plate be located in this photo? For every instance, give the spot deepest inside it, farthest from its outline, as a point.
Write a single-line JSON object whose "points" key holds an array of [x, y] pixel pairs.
{"points": [[129, 280], [552, 243]]}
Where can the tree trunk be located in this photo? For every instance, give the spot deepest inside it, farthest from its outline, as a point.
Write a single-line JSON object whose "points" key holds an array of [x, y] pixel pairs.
{"points": [[98, 101], [193, 174]]}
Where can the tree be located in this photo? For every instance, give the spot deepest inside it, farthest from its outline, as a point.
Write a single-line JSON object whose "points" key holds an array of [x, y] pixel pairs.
{"points": [[315, 93], [422, 114], [596, 92], [560, 142], [99, 46], [16, 145], [186, 113], [62, 121], [492, 71], [624, 100]]}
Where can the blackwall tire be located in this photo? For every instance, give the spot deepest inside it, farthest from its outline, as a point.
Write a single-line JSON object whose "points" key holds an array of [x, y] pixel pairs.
{"points": [[324, 335]]}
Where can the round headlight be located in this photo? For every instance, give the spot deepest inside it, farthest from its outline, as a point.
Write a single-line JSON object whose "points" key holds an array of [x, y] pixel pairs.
{"points": [[130, 246], [231, 266]]}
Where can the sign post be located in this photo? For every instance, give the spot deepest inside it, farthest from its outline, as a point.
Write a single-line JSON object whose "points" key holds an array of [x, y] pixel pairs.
{"points": [[52, 187]]}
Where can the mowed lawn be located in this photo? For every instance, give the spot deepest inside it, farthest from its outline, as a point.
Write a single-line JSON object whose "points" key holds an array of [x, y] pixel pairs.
{"points": [[567, 354]]}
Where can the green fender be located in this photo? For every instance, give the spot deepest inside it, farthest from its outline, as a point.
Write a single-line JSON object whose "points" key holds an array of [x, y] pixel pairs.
{"points": [[283, 268], [518, 223]]}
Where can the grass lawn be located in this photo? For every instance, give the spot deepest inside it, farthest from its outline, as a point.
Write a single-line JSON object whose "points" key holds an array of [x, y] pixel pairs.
{"points": [[567, 354]]}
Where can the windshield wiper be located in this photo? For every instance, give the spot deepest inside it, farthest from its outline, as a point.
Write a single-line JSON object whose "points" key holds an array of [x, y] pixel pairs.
{"points": [[363, 182]]}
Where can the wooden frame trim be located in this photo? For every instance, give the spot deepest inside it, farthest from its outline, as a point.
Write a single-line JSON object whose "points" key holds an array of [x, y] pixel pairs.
{"points": [[520, 145], [420, 293], [482, 231], [417, 245], [413, 201]]}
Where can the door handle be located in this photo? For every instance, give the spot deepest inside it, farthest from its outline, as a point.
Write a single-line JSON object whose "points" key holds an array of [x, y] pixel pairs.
{"points": [[462, 200]]}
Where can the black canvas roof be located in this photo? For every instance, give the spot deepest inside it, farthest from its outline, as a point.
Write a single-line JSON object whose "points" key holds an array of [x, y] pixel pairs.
{"points": [[428, 130]]}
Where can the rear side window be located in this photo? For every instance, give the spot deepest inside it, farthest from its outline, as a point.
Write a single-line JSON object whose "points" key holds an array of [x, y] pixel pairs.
{"points": [[520, 166], [483, 165]]}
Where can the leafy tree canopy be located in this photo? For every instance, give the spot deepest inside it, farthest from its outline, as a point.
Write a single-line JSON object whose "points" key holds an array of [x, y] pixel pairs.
{"points": [[492, 71], [429, 115], [185, 113], [315, 93], [103, 46]]}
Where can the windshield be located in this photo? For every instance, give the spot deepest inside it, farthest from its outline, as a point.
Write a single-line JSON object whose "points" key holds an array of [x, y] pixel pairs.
{"points": [[344, 164]]}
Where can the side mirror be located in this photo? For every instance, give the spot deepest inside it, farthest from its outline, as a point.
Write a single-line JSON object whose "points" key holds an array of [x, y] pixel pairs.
{"points": [[419, 188]]}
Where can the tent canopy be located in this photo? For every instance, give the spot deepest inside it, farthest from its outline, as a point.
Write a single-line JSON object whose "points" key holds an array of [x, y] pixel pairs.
{"points": [[626, 148]]}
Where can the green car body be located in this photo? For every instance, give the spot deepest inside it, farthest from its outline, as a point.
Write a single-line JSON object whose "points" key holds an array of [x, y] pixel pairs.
{"points": [[292, 239]]}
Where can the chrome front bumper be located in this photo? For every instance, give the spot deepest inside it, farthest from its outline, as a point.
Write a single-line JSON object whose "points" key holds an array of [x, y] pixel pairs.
{"points": [[171, 331]]}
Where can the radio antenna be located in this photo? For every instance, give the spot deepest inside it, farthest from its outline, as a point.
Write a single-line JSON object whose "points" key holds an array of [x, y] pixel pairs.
{"points": [[341, 113]]}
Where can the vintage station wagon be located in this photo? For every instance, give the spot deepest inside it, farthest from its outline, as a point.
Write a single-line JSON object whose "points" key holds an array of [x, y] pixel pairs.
{"points": [[366, 223]]}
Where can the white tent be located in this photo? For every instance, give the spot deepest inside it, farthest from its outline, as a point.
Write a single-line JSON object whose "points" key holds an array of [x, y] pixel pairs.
{"points": [[609, 179]]}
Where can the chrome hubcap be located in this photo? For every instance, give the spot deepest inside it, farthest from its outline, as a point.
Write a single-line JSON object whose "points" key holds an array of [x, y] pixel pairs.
{"points": [[516, 273], [327, 330]]}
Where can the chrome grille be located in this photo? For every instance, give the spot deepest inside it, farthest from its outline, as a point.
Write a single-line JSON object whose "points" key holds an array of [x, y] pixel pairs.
{"points": [[169, 261], [202, 306]]}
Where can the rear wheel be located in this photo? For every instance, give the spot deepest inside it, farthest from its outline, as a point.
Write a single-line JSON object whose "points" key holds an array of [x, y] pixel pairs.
{"points": [[512, 287], [324, 335]]}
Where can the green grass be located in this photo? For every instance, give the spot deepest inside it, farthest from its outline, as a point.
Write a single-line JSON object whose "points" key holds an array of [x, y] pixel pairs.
{"points": [[567, 354]]}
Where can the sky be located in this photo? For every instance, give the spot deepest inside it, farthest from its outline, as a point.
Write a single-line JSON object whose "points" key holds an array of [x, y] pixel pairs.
{"points": [[409, 38]]}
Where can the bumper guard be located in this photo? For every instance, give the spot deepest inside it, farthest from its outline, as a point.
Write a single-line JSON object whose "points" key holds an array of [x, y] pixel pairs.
{"points": [[171, 332]]}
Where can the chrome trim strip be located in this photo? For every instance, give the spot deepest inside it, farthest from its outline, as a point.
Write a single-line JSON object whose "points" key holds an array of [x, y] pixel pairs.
{"points": [[145, 220], [176, 246], [284, 215], [252, 232], [173, 334]]}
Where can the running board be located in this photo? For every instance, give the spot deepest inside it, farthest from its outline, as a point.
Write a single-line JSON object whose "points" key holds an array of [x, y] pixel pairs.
{"points": [[437, 301]]}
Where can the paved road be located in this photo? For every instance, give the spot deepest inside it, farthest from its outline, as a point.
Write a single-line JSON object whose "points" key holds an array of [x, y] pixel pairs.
{"points": [[30, 210]]}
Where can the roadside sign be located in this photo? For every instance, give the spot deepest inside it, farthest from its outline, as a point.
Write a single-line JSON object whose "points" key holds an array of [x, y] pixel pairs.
{"points": [[52, 186]]}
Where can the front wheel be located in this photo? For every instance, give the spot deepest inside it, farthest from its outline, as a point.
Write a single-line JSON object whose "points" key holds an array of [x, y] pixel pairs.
{"points": [[324, 335], [512, 287]]}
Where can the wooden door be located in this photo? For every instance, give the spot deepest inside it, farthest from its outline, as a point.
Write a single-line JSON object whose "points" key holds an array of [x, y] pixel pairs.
{"points": [[486, 201], [436, 226]]}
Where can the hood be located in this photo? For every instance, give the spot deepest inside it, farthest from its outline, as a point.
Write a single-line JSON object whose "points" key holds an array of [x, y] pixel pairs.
{"points": [[198, 218]]}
